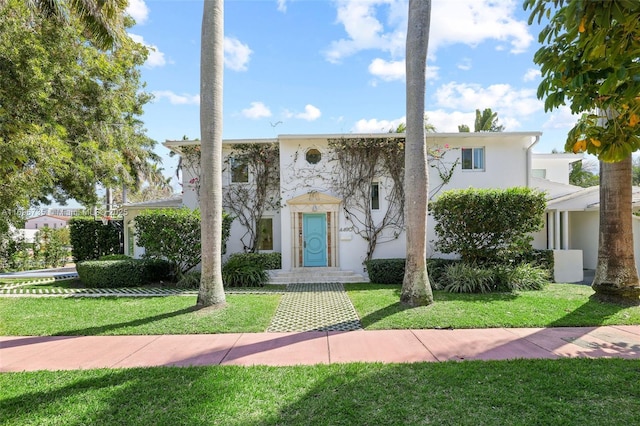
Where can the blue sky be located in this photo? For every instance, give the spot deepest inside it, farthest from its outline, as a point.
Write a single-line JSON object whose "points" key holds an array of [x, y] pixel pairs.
{"points": [[337, 66]]}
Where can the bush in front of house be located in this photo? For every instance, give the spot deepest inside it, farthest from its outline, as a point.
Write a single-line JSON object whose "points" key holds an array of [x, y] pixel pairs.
{"points": [[487, 225], [240, 271], [114, 257], [465, 277], [391, 271], [264, 260], [174, 235], [91, 239], [122, 273]]}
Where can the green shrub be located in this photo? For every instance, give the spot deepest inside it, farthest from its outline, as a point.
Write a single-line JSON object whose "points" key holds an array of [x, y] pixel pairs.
{"points": [[487, 224], [385, 271], [240, 271], [174, 235], [114, 257], [189, 280], [121, 273], [112, 273], [158, 270], [467, 278], [521, 277], [91, 239], [264, 260], [391, 271]]}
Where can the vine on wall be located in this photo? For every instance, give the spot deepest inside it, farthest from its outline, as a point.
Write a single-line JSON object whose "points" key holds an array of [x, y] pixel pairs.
{"points": [[249, 201], [359, 162]]}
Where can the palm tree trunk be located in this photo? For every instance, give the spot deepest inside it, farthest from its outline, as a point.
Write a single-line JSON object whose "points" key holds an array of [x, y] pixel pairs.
{"points": [[211, 74], [616, 274], [416, 289]]}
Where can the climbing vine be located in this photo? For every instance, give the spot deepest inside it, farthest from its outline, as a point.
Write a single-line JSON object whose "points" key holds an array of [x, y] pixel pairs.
{"points": [[248, 201], [362, 161]]}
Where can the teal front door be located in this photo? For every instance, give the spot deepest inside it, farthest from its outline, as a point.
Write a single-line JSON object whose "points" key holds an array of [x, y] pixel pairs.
{"points": [[314, 226]]}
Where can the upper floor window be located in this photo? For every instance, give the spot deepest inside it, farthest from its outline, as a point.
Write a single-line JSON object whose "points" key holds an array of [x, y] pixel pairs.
{"points": [[313, 156], [473, 159], [375, 196], [239, 170]]}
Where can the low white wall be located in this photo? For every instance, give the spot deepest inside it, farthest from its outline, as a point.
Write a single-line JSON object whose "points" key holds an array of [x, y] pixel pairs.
{"points": [[567, 266]]}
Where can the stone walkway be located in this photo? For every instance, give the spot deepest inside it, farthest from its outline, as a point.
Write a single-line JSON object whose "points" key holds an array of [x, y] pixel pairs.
{"points": [[315, 307]]}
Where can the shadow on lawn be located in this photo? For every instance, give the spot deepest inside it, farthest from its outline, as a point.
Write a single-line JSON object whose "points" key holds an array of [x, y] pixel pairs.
{"points": [[422, 393], [98, 330], [438, 295]]}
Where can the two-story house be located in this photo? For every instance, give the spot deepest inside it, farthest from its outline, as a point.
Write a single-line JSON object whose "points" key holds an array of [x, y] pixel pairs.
{"points": [[313, 216]]}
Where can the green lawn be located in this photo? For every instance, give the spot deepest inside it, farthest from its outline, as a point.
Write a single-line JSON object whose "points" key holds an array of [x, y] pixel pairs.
{"points": [[133, 315], [377, 305], [523, 392], [558, 305]]}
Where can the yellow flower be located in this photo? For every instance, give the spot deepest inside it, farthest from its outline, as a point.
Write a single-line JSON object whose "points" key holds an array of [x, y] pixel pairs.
{"points": [[581, 145]]}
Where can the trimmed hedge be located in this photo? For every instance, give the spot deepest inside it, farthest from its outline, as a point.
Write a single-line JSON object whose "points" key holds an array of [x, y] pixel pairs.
{"points": [[264, 260], [122, 273], [91, 239], [487, 224], [391, 271]]}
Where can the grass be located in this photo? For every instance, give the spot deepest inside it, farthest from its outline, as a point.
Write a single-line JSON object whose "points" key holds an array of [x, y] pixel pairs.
{"points": [[133, 316], [377, 306], [558, 305], [600, 391]]}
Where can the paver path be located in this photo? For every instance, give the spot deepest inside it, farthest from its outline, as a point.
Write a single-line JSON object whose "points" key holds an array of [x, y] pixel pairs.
{"points": [[315, 307]]}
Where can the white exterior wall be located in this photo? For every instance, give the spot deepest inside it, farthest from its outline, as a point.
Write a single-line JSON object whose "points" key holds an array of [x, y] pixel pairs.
{"points": [[45, 222], [583, 234], [557, 166]]}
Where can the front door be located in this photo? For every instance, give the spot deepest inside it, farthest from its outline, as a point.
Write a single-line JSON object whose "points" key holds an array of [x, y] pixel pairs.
{"points": [[315, 239]]}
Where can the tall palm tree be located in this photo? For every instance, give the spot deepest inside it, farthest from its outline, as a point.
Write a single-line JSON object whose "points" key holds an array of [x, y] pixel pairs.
{"points": [[616, 273], [102, 19], [211, 74], [416, 289]]}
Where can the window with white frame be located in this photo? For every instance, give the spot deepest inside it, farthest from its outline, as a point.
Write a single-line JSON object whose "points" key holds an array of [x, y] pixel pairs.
{"points": [[239, 169], [473, 159]]}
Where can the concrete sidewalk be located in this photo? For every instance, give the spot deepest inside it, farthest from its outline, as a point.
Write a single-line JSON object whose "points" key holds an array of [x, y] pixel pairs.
{"points": [[322, 347]]}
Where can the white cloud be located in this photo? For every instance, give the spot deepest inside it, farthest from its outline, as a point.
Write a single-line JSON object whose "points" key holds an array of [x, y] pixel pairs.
{"points": [[374, 125], [310, 113], [138, 10], [236, 54], [396, 70], [532, 74], [469, 22], [156, 57], [176, 99], [447, 122], [464, 64], [501, 98], [561, 118], [282, 5], [256, 111], [387, 70]]}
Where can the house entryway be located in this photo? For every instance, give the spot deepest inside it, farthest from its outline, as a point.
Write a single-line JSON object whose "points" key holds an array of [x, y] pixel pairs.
{"points": [[314, 235]]}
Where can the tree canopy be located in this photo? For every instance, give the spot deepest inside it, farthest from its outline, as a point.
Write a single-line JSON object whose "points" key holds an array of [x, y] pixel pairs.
{"points": [[69, 112], [589, 60], [486, 121]]}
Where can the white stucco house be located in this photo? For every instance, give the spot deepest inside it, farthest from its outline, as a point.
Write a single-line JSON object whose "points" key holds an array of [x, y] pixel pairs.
{"points": [[312, 228], [47, 221]]}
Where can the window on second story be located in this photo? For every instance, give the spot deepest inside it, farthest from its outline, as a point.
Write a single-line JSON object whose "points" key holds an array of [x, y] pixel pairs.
{"points": [[375, 196], [473, 159], [239, 170]]}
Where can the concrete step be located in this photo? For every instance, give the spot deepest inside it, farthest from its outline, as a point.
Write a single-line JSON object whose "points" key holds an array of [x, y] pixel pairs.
{"points": [[315, 275]]}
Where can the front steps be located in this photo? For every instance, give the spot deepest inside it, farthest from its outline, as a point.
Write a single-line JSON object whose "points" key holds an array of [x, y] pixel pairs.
{"points": [[315, 275]]}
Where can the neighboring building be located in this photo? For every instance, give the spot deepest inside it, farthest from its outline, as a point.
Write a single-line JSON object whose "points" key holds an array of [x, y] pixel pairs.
{"points": [[131, 211], [47, 221]]}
